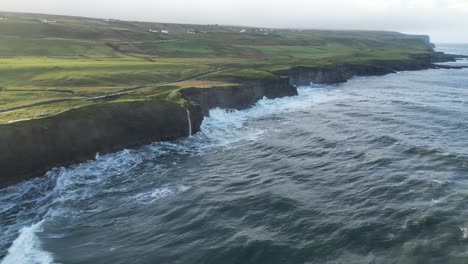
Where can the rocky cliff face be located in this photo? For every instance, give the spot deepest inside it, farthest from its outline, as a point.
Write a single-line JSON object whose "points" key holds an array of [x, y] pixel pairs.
{"points": [[33, 147], [301, 76], [426, 39], [238, 97]]}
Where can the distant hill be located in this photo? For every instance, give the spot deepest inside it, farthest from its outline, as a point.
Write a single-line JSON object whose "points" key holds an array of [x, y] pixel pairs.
{"points": [[111, 37]]}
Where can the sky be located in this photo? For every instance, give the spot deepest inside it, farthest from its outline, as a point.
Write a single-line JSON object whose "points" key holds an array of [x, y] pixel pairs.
{"points": [[446, 21]]}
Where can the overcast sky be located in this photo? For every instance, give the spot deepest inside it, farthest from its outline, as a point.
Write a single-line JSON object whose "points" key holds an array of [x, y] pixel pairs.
{"points": [[445, 20]]}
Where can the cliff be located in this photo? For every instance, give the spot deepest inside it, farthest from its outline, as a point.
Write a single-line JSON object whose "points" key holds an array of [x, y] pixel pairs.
{"points": [[30, 148], [238, 97], [426, 39], [301, 76]]}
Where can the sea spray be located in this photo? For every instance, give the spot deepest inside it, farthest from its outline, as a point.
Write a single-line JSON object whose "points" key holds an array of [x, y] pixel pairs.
{"points": [[26, 248]]}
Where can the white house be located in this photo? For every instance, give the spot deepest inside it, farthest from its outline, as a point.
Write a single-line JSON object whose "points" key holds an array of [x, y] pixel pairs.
{"points": [[45, 21], [165, 31], [153, 30], [243, 31]]}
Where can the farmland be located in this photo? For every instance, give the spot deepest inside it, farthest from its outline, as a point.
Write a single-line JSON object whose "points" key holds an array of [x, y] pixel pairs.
{"points": [[50, 67]]}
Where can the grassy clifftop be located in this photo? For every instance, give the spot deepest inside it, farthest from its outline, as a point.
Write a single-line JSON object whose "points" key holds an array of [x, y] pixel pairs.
{"points": [[49, 64]]}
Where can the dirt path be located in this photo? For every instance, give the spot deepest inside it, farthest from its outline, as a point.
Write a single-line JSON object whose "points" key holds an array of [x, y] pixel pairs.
{"points": [[17, 108], [145, 86], [126, 91]]}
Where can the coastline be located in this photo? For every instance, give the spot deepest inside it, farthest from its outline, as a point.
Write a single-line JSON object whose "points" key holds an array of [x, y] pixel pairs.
{"points": [[31, 148]]}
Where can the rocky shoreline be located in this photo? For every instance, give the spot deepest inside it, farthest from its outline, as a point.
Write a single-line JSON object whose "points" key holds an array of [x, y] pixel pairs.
{"points": [[33, 147]]}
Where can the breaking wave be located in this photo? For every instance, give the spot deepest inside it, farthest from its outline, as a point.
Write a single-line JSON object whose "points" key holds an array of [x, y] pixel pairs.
{"points": [[65, 189]]}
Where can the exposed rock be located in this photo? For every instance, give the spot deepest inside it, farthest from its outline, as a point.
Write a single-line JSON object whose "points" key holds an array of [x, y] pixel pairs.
{"points": [[238, 97], [443, 57], [426, 39], [32, 147], [301, 76]]}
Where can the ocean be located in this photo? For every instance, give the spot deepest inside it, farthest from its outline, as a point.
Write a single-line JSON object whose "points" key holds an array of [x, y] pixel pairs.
{"points": [[374, 170]]}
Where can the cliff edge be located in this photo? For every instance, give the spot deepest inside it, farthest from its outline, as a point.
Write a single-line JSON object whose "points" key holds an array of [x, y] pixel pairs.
{"points": [[30, 148]]}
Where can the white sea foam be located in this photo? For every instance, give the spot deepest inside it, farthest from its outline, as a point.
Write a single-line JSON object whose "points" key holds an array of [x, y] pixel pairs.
{"points": [[76, 183], [223, 128], [83, 181], [464, 231], [308, 97], [27, 249], [158, 193]]}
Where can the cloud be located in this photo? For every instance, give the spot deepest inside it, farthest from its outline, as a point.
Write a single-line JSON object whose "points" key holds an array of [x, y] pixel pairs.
{"points": [[445, 20]]}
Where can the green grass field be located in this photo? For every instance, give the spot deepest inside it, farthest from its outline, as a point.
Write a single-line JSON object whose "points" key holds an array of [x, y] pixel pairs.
{"points": [[48, 68]]}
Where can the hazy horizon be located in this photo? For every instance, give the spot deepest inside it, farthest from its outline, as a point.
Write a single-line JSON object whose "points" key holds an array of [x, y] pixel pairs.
{"points": [[443, 20]]}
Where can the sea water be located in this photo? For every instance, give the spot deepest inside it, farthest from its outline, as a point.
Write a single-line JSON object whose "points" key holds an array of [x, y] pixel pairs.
{"points": [[374, 170]]}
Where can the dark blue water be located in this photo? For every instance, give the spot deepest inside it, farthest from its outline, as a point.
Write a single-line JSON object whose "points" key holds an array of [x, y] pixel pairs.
{"points": [[371, 171]]}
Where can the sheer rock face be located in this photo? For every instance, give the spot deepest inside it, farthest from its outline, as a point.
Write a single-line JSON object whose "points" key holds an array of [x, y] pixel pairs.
{"points": [[238, 97], [301, 76], [30, 148]]}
